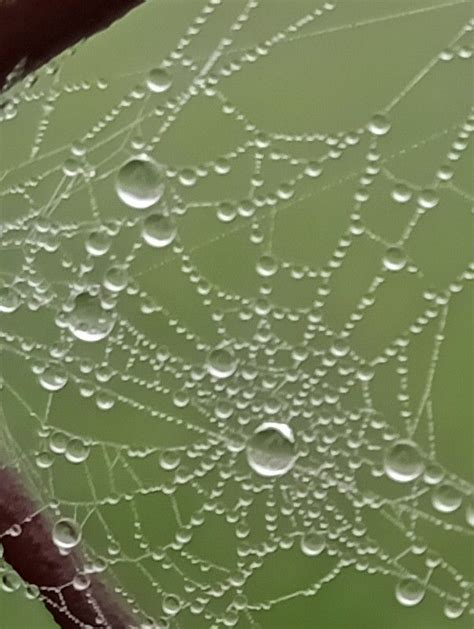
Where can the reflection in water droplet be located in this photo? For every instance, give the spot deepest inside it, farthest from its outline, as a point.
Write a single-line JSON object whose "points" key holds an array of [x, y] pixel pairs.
{"points": [[403, 462], [140, 183], [221, 363], [271, 450], [66, 534]]}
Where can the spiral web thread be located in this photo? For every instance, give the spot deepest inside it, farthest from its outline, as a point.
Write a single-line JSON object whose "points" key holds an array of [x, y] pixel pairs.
{"points": [[178, 520]]}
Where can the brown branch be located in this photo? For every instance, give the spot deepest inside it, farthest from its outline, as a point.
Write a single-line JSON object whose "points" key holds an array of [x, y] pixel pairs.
{"points": [[34, 31], [35, 557]]}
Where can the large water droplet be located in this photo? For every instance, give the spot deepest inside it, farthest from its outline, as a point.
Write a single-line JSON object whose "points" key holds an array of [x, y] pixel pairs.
{"points": [[221, 363], [271, 450], [159, 230], [403, 462], [66, 534], [140, 183], [89, 321]]}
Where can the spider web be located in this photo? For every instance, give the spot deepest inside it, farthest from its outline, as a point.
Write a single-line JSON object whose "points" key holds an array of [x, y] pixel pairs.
{"points": [[261, 339]]}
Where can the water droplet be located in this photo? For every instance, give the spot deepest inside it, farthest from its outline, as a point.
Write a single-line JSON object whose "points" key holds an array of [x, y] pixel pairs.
{"points": [[221, 363], [170, 459], [171, 604], [158, 230], [267, 265], [53, 378], [116, 279], [379, 125], [403, 462], [401, 193], [98, 243], [226, 212], [76, 451], [428, 199], [271, 450], [140, 183], [44, 460], [394, 259], [81, 582], [470, 513], [9, 299], [66, 534], [11, 582], [452, 608], [410, 592], [446, 498], [158, 80], [312, 543], [89, 321]]}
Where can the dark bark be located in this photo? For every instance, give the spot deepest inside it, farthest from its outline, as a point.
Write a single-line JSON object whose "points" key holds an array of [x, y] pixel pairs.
{"points": [[35, 557], [34, 31]]}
